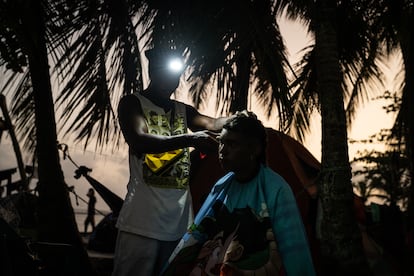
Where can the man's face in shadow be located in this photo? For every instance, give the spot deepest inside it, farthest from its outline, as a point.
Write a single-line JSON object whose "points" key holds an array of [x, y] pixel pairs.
{"points": [[164, 79], [162, 76]]}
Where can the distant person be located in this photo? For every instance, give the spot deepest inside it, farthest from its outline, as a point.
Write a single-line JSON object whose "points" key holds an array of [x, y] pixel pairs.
{"points": [[250, 223], [157, 209], [90, 218]]}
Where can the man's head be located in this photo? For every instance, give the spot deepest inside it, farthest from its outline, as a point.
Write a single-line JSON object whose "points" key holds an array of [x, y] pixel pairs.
{"points": [[165, 67], [242, 143]]}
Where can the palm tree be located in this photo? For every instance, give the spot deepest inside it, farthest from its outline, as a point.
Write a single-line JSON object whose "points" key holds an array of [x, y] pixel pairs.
{"points": [[24, 29], [341, 248], [336, 68]]}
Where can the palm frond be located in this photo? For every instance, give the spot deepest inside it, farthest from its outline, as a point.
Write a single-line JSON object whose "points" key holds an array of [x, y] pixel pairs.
{"points": [[19, 89], [101, 64]]}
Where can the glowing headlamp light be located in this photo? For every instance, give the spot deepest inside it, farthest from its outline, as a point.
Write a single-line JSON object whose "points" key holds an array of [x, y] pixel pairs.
{"points": [[175, 65]]}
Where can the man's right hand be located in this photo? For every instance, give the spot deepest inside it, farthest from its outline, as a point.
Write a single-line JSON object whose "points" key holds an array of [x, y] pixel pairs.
{"points": [[205, 141]]}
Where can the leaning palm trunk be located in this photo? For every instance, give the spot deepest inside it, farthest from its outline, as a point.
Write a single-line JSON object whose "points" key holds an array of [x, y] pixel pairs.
{"points": [[341, 246], [15, 143], [56, 216]]}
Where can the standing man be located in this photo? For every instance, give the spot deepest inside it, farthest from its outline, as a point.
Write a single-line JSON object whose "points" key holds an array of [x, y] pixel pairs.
{"points": [[90, 218], [157, 209]]}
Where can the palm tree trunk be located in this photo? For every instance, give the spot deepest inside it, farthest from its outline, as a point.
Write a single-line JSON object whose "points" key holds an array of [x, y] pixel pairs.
{"points": [[56, 216], [241, 92], [341, 246]]}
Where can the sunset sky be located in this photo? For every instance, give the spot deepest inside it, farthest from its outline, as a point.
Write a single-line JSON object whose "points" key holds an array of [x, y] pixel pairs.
{"points": [[112, 169]]}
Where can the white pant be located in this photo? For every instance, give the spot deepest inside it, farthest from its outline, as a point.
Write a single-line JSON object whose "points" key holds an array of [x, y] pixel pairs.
{"points": [[137, 255]]}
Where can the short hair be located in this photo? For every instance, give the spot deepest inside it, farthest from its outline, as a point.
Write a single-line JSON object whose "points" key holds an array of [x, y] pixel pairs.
{"points": [[247, 124], [158, 56]]}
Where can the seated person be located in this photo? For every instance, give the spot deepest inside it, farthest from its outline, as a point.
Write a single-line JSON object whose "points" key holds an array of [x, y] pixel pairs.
{"points": [[250, 222]]}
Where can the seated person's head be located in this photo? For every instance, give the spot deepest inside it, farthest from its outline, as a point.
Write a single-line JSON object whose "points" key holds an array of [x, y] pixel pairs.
{"points": [[242, 143]]}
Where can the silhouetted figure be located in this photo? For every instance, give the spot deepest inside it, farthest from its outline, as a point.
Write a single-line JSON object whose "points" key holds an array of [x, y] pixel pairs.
{"points": [[157, 208], [90, 218]]}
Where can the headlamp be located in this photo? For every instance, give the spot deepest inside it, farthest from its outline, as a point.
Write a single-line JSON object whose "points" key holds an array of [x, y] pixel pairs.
{"points": [[175, 65]]}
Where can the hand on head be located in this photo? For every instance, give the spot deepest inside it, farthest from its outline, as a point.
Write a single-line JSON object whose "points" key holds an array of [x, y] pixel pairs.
{"points": [[205, 141]]}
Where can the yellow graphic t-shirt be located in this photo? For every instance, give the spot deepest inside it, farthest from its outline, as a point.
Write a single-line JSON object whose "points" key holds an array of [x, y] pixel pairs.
{"points": [[168, 169]]}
